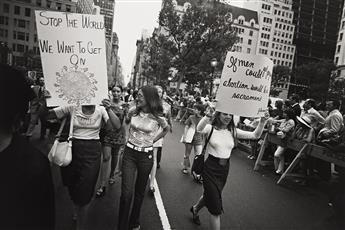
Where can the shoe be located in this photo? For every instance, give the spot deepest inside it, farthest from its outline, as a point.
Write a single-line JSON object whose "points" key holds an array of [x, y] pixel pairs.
{"points": [[279, 172], [100, 192], [112, 179], [185, 171], [152, 190], [136, 228], [196, 219], [158, 166]]}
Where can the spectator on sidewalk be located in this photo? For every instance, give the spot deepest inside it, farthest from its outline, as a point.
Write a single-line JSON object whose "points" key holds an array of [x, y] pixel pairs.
{"points": [[309, 109], [27, 194], [38, 109], [294, 100]]}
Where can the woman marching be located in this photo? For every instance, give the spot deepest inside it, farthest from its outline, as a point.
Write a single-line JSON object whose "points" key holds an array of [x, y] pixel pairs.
{"points": [[113, 141], [222, 136], [144, 122], [196, 141], [81, 175], [158, 145]]}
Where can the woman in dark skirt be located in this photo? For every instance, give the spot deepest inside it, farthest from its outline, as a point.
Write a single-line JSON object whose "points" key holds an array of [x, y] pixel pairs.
{"points": [[81, 175], [221, 142]]}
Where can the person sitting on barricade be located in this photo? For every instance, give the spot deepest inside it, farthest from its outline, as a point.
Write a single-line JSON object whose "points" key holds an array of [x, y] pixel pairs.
{"points": [[330, 135], [283, 131], [304, 130]]}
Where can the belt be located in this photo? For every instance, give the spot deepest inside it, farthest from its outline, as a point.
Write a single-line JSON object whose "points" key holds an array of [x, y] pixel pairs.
{"points": [[221, 161], [140, 149]]}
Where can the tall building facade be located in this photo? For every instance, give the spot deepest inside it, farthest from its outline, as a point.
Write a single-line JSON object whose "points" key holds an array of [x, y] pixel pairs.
{"points": [[246, 23], [317, 23], [107, 9], [18, 28], [276, 31], [339, 57], [85, 7]]}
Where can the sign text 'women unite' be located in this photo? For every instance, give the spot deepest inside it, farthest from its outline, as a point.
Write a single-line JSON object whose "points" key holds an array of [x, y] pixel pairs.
{"points": [[73, 54], [244, 85]]}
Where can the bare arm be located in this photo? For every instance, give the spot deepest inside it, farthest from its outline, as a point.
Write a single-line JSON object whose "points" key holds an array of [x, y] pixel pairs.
{"points": [[161, 134], [256, 134]]}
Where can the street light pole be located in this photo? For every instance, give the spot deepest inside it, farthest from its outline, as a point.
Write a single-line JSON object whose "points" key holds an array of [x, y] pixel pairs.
{"points": [[213, 63]]}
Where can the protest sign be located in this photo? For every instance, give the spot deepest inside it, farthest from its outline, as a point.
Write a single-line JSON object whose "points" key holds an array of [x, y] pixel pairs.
{"points": [[72, 48], [244, 85]]}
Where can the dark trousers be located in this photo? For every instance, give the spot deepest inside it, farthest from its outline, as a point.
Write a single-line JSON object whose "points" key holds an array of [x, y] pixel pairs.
{"points": [[159, 154], [133, 162]]}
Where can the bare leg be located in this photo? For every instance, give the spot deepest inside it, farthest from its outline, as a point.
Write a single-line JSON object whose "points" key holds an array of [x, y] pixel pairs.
{"points": [[279, 159], [214, 222], [199, 205], [154, 169], [105, 168], [186, 161], [81, 216]]}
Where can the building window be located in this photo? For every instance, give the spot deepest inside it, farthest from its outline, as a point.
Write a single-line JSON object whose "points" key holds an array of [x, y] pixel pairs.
{"points": [[58, 6], [27, 12], [338, 48], [250, 33], [343, 25], [17, 10], [240, 21], [252, 24], [336, 60], [3, 33], [35, 37], [68, 8], [340, 36], [39, 2], [49, 3], [249, 41], [248, 50], [3, 20], [20, 48], [6, 8]]}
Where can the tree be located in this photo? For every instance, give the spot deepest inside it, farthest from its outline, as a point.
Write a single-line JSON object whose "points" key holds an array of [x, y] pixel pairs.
{"points": [[317, 76], [203, 32], [280, 75]]}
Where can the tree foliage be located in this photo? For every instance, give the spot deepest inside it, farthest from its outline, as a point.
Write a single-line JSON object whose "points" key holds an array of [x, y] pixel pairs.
{"points": [[317, 76], [281, 75], [203, 32]]}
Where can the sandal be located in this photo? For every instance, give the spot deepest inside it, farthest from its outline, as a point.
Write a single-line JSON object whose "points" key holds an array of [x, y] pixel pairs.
{"points": [[196, 219], [185, 171], [152, 190], [100, 192], [111, 180]]}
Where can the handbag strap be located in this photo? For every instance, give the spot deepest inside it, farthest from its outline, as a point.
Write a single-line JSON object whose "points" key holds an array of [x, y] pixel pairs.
{"points": [[70, 135], [61, 128], [207, 140]]}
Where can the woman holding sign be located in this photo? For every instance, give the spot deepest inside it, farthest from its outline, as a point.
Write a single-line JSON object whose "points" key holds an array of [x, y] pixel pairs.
{"points": [[222, 134], [81, 175]]}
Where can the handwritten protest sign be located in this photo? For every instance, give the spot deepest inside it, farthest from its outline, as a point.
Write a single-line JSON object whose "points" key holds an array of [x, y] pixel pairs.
{"points": [[244, 85], [72, 48]]}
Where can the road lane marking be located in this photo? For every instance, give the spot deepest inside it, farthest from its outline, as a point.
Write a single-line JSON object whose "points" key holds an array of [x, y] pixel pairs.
{"points": [[160, 206]]}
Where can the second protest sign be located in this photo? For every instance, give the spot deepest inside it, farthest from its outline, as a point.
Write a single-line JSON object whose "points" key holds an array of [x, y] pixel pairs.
{"points": [[245, 85]]}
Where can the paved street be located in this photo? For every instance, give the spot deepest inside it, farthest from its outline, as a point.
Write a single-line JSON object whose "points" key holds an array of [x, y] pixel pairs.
{"points": [[252, 200]]}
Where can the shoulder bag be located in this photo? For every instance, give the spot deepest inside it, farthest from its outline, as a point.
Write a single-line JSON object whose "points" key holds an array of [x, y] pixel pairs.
{"points": [[199, 160], [61, 152]]}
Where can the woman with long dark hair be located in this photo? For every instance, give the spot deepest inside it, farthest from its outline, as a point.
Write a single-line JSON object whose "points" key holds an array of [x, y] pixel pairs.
{"points": [[223, 135], [144, 121]]}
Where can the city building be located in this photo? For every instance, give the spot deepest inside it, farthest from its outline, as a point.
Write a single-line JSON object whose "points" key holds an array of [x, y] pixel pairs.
{"points": [[317, 23], [246, 23], [107, 9], [18, 28], [339, 57], [85, 7]]}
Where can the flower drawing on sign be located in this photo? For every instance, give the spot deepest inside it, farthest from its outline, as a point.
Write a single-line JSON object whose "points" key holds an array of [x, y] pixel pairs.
{"points": [[75, 85]]}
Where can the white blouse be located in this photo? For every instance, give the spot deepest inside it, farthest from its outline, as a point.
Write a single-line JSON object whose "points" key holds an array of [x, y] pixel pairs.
{"points": [[221, 142]]}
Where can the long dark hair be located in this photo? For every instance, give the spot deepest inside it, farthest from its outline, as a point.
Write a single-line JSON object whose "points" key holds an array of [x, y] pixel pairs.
{"points": [[153, 102], [231, 126]]}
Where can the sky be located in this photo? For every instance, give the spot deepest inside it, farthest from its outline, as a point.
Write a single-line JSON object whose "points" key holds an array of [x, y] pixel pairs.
{"points": [[130, 18]]}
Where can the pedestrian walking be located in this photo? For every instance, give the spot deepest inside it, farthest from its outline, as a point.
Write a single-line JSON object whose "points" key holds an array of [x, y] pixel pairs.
{"points": [[81, 175], [144, 121], [158, 145], [112, 143], [38, 109], [27, 194], [223, 138], [192, 138]]}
